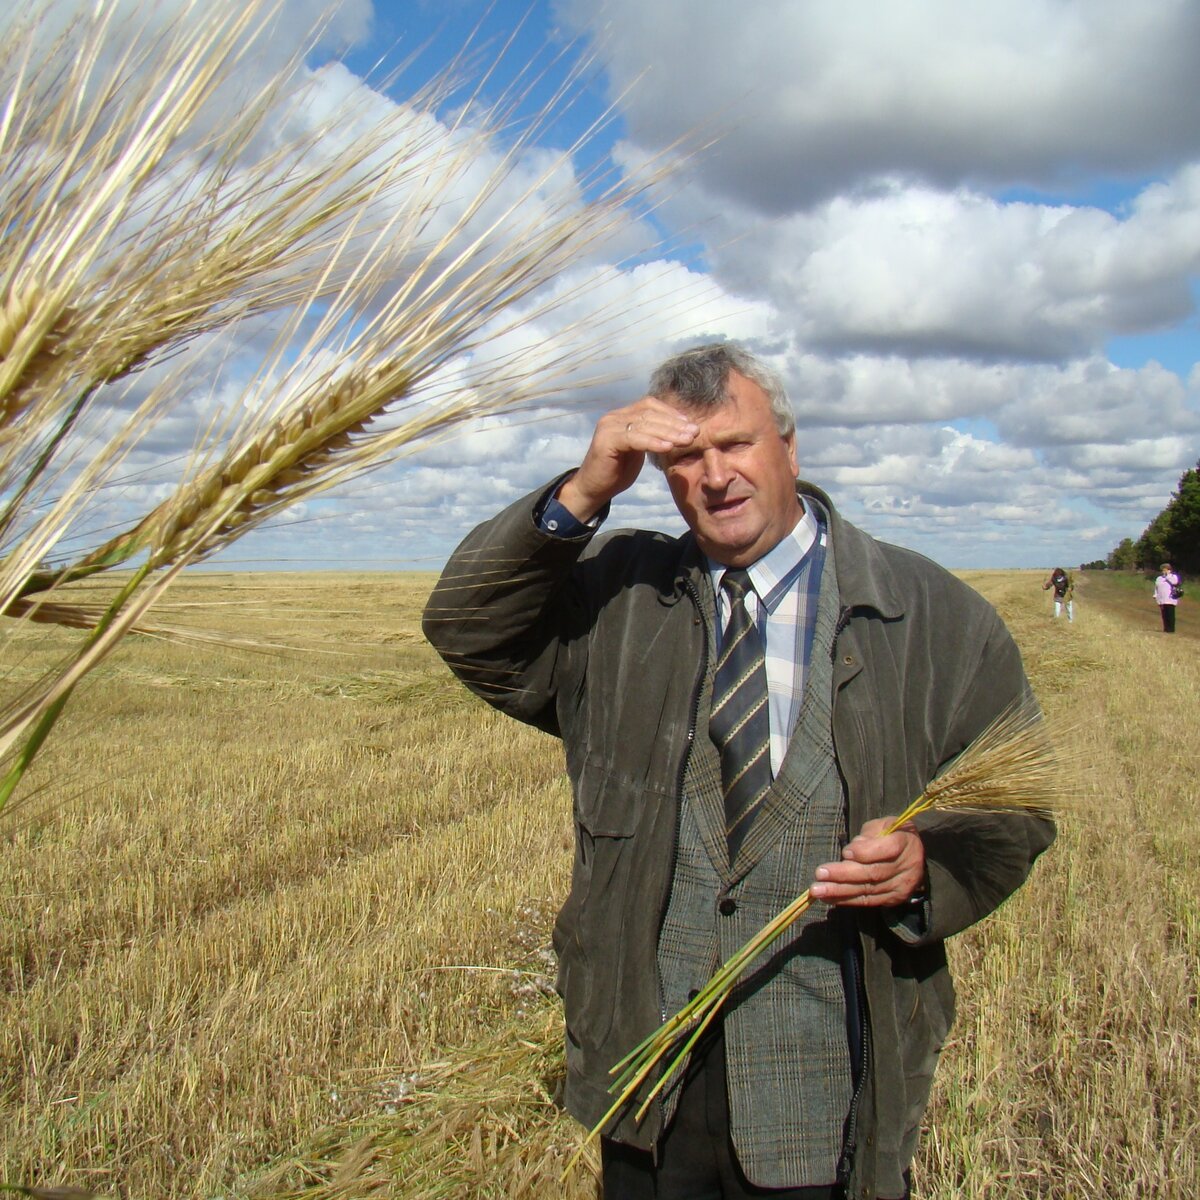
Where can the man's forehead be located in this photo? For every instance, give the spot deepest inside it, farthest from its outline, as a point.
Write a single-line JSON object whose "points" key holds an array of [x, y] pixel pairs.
{"points": [[734, 409]]}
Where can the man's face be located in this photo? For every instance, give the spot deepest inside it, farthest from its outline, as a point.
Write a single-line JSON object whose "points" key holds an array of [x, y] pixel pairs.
{"points": [[735, 485]]}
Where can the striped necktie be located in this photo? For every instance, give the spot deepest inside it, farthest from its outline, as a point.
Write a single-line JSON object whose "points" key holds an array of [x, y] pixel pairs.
{"points": [[739, 725]]}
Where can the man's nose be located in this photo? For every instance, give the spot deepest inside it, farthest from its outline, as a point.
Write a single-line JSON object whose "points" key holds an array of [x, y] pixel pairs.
{"points": [[716, 470]]}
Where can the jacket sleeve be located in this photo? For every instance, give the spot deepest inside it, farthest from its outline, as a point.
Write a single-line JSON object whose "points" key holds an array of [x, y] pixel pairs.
{"points": [[498, 612]]}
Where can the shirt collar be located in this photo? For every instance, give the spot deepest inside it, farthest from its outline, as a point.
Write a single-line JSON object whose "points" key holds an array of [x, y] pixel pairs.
{"points": [[775, 572]]}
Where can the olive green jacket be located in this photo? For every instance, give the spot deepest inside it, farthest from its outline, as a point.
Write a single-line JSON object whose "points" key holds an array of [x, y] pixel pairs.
{"points": [[600, 640]]}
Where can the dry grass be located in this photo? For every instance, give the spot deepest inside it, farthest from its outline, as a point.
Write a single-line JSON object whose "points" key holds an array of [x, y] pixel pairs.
{"points": [[483, 1124], [218, 939], [1074, 1068], [280, 926]]}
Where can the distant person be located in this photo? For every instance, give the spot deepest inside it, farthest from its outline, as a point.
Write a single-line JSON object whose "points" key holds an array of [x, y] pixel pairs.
{"points": [[1064, 592], [1166, 595]]}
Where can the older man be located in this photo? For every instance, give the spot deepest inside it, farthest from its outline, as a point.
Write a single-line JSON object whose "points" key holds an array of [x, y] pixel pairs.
{"points": [[732, 703]]}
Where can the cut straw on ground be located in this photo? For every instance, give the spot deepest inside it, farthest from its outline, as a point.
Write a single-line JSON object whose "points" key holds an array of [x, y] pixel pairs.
{"points": [[485, 1124]]}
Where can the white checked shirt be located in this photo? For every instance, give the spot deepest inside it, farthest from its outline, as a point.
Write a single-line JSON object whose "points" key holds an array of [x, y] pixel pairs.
{"points": [[783, 605]]}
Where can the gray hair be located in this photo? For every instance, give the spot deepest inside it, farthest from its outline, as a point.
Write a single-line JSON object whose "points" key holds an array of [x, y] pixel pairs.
{"points": [[697, 378]]}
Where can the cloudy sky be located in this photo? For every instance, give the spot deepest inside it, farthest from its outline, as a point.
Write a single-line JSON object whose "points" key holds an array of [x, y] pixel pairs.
{"points": [[968, 235]]}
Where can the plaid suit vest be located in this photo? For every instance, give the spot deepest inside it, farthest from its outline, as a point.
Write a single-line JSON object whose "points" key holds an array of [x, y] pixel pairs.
{"points": [[787, 1055]]}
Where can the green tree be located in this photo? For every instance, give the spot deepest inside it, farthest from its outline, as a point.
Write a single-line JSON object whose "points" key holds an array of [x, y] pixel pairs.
{"points": [[1152, 545], [1183, 537], [1124, 557], [1173, 536]]}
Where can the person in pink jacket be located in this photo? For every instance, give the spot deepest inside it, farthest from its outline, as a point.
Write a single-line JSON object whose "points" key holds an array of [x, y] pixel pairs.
{"points": [[1166, 596]]}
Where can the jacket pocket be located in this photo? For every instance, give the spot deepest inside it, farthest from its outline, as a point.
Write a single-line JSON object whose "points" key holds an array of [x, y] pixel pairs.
{"points": [[607, 802], [588, 935], [925, 1011]]}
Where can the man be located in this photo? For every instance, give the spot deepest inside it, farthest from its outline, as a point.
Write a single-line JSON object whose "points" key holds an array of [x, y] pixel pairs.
{"points": [[879, 669]]}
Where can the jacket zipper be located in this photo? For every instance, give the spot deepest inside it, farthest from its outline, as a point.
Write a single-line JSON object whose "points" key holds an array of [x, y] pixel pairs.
{"points": [[693, 721], [856, 995], [842, 621], [860, 1061]]}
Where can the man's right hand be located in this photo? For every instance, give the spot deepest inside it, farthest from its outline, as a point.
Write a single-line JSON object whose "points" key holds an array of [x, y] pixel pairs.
{"points": [[618, 450]]}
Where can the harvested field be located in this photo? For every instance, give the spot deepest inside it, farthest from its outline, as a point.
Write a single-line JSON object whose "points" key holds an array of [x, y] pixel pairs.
{"points": [[276, 924]]}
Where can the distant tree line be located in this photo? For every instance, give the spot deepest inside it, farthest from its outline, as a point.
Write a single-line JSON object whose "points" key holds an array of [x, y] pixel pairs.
{"points": [[1173, 536]]}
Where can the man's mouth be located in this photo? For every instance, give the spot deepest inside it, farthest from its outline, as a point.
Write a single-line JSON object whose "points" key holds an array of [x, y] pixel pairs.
{"points": [[721, 508]]}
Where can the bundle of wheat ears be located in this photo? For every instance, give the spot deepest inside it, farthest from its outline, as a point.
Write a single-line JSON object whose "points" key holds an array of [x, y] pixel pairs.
{"points": [[153, 202], [1012, 766]]}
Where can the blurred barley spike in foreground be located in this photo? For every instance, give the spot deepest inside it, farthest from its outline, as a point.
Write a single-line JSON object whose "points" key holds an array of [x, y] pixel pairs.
{"points": [[393, 261]]}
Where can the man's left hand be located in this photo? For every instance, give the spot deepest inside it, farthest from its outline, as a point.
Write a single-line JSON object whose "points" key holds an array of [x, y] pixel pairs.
{"points": [[874, 871]]}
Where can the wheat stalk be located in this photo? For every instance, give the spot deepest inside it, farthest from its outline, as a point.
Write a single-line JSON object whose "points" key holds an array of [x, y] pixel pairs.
{"points": [[1011, 767], [323, 429], [411, 248], [92, 289], [104, 264]]}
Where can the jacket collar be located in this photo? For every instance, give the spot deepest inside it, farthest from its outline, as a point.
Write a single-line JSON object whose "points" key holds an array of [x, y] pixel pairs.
{"points": [[864, 579], [691, 570]]}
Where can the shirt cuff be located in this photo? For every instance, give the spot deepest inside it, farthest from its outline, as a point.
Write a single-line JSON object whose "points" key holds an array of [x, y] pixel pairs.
{"points": [[910, 920], [911, 925], [556, 519]]}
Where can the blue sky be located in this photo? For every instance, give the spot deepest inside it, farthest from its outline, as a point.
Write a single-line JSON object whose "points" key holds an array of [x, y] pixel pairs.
{"points": [[968, 236]]}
